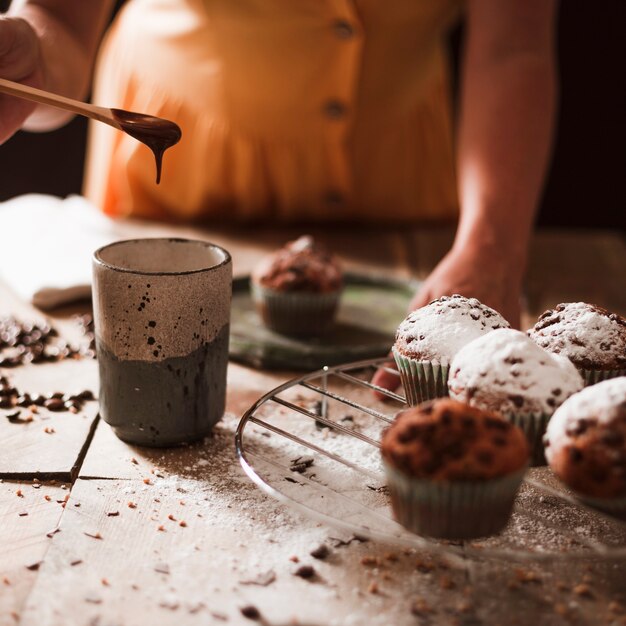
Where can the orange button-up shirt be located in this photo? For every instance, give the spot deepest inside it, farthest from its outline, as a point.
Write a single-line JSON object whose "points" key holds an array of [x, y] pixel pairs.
{"points": [[291, 110]]}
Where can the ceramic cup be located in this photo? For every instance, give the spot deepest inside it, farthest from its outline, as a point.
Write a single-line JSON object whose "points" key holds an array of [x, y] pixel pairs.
{"points": [[162, 314]]}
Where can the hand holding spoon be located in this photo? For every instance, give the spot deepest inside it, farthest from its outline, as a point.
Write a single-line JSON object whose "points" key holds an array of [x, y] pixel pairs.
{"points": [[156, 133]]}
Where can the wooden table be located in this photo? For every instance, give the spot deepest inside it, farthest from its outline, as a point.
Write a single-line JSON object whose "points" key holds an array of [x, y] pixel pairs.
{"points": [[115, 535]]}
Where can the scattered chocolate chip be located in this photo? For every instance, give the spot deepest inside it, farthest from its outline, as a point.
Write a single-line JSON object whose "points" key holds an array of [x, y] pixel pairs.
{"points": [[305, 571], [321, 552], [14, 417], [251, 612], [55, 404], [33, 567], [301, 464], [518, 401]]}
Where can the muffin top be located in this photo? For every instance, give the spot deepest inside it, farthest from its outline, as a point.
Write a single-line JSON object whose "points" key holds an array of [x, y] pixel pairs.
{"points": [[586, 440], [588, 335], [302, 265], [437, 331], [508, 372], [449, 441]]}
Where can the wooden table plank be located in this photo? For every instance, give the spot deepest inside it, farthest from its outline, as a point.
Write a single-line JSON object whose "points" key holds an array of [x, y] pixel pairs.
{"points": [[137, 574], [24, 522], [28, 450]]}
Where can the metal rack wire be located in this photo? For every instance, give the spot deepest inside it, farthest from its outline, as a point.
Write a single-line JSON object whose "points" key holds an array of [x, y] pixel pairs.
{"points": [[298, 445]]}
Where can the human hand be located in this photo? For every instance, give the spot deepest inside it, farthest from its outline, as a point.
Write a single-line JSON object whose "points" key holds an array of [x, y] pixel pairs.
{"points": [[489, 276], [20, 61]]}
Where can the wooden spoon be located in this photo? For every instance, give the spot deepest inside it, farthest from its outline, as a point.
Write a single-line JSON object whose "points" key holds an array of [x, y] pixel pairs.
{"points": [[158, 134]]}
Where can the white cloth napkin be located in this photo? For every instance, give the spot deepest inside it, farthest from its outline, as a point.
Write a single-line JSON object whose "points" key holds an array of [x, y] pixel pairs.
{"points": [[46, 245]]}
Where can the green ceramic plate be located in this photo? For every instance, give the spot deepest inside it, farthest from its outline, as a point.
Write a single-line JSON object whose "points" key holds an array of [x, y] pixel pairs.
{"points": [[371, 309]]}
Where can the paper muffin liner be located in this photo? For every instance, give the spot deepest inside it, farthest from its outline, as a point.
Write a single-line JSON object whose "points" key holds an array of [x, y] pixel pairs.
{"points": [[452, 510], [297, 314], [534, 427], [422, 380], [615, 507], [591, 377]]}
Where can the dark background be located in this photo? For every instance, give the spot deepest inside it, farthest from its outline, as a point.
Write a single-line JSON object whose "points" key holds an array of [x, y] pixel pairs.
{"points": [[587, 181]]}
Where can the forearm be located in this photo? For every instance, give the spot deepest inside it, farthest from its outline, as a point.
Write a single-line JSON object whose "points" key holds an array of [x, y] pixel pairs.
{"points": [[505, 138], [69, 32]]}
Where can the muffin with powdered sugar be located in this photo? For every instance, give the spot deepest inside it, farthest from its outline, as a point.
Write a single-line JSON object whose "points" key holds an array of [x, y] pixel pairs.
{"points": [[429, 337], [591, 337], [585, 445], [507, 372]]}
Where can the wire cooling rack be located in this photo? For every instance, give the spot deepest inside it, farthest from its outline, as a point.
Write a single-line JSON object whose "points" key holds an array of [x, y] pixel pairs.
{"points": [[313, 444]]}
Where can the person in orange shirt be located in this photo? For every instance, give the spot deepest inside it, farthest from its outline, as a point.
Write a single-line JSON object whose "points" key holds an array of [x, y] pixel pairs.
{"points": [[312, 111]]}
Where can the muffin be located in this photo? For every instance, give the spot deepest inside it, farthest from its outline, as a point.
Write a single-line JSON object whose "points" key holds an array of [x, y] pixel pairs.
{"points": [[297, 289], [453, 470], [505, 371], [429, 337], [591, 337], [586, 445]]}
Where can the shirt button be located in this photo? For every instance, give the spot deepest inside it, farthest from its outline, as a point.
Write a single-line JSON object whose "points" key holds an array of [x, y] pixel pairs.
{"points": [[335, 109], [343, 29]]}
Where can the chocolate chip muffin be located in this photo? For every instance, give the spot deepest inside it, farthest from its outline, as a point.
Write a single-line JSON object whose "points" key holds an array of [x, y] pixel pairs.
{"points": [[505, 371], [297, 289], [586, 444], [453, 470], [591, 337], [429, 337]]}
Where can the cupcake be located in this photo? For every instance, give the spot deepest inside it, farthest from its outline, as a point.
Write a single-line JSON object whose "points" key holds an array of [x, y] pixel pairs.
{"points": [[586, 445], [453, 470], [505, 371], [591, 337], [429, 337], [297, 289]]}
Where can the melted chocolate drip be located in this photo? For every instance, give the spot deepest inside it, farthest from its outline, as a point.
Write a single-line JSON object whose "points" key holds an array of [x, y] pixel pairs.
{"points": [[158, 134]]}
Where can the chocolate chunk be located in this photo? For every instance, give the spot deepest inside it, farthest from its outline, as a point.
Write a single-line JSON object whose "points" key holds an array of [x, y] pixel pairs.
{"points": [[518, 401], [468, 422], [305, 571], [578, 428], [485, 457], [610, 438], [575, 454], [445, 418], [251, 612], [55, 404], [14, 417], [6, 402], [321, 552], [301, 464]]}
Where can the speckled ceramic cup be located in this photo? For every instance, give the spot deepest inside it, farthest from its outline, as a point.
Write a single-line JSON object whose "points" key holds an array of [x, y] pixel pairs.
{"points": [[162, 314]]}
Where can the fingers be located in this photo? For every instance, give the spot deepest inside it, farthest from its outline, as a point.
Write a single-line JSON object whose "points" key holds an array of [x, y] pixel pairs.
{"points": [[19, 49], [386, 380], [19, 61]]}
